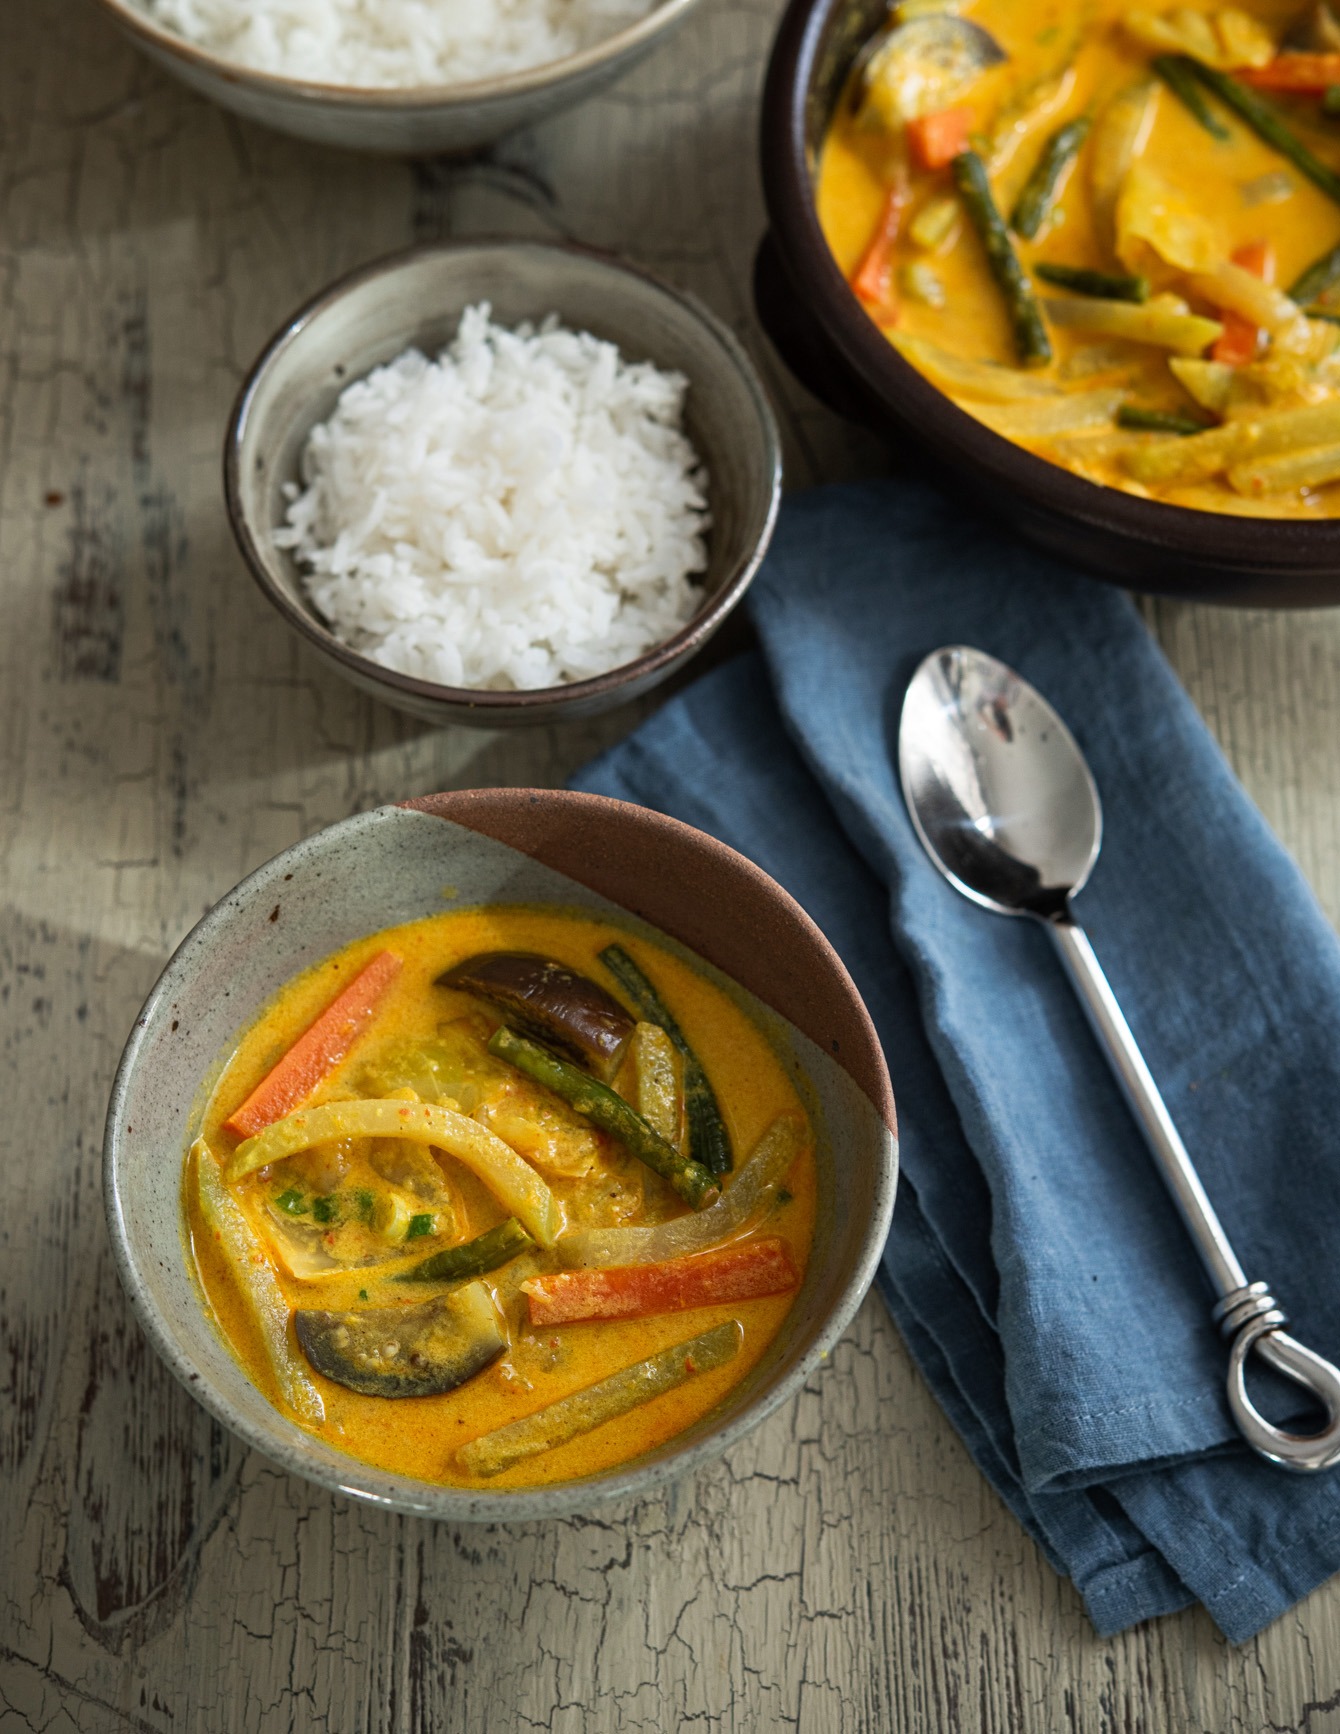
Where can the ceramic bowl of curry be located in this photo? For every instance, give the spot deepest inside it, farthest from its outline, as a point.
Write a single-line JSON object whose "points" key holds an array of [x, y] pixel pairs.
{"points": [[373, 1333], [858, 357]]}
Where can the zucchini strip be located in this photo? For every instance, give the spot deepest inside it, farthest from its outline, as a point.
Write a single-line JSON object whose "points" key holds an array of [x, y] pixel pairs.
{"points": [[511, 1179], [600, 1105], [1184, 333], [1311, 468], [1204, 455], [752, 1187], [250, 1267], [709, 1141], [657, 1066], [583, 1411]]}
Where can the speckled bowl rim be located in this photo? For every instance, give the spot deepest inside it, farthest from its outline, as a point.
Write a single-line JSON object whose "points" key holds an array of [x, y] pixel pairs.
{"points": [[549, 699], [443, 1503], [399, 98], [1278, 546]]}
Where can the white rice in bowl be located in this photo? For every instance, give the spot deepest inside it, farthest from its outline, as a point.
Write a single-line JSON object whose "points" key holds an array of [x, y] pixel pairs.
{"points": [[394, 44], [523, 511]]}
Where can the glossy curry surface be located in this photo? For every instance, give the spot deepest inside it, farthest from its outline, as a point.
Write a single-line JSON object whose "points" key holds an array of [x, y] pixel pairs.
{"points": [[339, 1221], [1169, 201]]}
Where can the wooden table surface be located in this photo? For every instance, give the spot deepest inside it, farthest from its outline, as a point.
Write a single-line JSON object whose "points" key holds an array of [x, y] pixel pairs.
{"points": [[845, 1568]]}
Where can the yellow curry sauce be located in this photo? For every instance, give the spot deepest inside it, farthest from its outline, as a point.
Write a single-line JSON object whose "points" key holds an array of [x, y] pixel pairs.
{"points": [[596, 1182], [1169, 201]]}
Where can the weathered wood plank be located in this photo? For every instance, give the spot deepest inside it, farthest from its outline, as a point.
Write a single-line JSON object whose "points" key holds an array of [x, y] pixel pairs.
{"points": [[160, 733]]}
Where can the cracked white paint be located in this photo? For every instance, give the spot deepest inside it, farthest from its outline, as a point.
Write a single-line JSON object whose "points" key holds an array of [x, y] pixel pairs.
{"points": [[845, 1569]]}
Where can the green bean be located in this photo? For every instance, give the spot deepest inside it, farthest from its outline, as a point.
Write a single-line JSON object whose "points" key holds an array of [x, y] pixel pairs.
{"points": [[1030, 334], [1330, 103], [1130, 415], [1039, 194], [599, 1104], [484, 1253], [709, 1141], [1106, 285], [1172, 69], [1321, 275], [1266, 123], [582, 1411]]}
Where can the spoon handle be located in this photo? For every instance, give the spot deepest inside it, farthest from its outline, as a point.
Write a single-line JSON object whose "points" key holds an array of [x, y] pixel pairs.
{"points": [[1246, 1312]]}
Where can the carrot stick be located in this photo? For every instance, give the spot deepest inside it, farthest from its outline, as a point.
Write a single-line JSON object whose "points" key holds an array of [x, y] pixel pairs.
{"points": [[870, 279], [1300, 74], [317, 1051], [1240, 339], [759, 1267], [936, 139]]}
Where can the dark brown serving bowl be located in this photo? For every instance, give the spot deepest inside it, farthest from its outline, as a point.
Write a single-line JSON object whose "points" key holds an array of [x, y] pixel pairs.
{"points": [[831, 345]]}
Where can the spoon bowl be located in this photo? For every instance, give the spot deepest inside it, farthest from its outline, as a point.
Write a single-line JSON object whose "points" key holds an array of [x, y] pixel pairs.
{"points": [[996, 785]]}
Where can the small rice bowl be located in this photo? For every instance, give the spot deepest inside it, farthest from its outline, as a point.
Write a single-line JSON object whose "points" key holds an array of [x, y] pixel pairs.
{"points": [[394, 44], [523, 511]]}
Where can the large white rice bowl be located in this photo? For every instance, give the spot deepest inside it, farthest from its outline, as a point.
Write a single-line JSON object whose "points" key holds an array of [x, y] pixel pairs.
{"points": [[394, 44], [522, 512]]}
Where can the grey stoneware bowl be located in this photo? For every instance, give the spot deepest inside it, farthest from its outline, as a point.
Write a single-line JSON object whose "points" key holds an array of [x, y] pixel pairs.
{"points": [[417, 297], [835, 349], [531, 846], [412, 121]]}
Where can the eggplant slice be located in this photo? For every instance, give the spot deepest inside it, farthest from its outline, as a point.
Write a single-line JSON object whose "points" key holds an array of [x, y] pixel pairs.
{"points": [[553, 1004], [404, 1351], [912, 69]]}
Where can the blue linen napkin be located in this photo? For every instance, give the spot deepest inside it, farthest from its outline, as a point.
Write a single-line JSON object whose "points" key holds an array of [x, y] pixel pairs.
{"points": [[1036, 1267]]}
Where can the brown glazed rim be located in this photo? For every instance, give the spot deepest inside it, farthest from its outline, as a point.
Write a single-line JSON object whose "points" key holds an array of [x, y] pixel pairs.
{"points": [[757, 934], [1268, 545], [402, 98], [687, 639]]}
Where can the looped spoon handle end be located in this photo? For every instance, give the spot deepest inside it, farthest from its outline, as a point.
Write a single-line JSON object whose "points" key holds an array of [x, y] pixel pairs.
{"points": [[1251, 1318], [1247, 1313]]}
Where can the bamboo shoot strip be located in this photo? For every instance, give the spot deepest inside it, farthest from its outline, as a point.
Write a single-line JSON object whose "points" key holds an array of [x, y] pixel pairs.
{"points": [[1030, 334], [1180, 81], [261, 1295], [584, 1411], [1266, 124], [1321, 275], [484, 1253], [733, 1273], [1034, 204], [754, 1186], [508, 1176], [318, 1051], [1107, 285], [599, 1104], [709, 1141]]}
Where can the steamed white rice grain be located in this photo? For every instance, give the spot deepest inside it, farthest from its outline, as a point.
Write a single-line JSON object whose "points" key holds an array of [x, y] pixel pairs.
{"points": [[523, 511], [394, 43]]}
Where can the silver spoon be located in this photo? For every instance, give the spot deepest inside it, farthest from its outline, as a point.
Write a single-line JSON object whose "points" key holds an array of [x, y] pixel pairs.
{"points": [[1004, 803]]}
